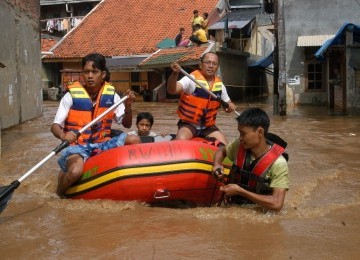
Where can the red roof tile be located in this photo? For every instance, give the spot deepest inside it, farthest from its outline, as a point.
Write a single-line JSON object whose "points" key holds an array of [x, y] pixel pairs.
{"points": [[128, 27], [47, 44]]}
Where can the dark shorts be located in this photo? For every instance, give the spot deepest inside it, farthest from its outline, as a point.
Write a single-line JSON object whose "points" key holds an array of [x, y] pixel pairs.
{"points": [[204, 132]]}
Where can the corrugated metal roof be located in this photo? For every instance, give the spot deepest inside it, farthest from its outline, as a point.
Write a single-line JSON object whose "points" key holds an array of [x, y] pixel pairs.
{"points": [[237, 19], [127, 62], [339, 39], [313, 40], [265, 19], [231, 25]]}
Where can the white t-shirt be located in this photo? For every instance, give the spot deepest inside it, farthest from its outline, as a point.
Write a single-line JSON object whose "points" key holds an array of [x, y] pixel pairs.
{"points": [[135, 132], [189, 88], [67, 101]]}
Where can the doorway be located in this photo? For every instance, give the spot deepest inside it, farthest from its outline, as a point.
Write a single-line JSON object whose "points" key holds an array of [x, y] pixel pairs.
{"points": [[337, 82]]}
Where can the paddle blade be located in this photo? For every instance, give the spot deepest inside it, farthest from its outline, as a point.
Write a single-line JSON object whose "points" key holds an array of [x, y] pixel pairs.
{"points": [[6, 193]]}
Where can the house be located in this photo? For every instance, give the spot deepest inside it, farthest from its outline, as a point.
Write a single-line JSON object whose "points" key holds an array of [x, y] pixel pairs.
{"points": [[127, 32], [341, 58], [332, 27], [244, 36], [57, 18]]}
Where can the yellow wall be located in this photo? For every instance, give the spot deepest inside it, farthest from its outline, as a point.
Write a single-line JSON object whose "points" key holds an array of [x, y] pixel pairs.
{"points": [[120, 80]]}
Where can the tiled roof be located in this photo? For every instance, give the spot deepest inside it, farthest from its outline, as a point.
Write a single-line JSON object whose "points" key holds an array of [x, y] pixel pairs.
{"points": [[128, 27], [47, 44], [183, 55]]}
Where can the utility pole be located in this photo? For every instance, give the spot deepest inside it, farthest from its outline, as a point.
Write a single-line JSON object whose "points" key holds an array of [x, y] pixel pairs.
{"points": [[279, 60]]}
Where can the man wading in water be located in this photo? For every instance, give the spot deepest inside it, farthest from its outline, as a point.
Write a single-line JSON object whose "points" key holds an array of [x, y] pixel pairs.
{"points": [[260, 174]]}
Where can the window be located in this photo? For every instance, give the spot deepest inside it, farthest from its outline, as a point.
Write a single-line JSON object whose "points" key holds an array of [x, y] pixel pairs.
{"points": [[135, 76], [314, 76], [135, 81]]}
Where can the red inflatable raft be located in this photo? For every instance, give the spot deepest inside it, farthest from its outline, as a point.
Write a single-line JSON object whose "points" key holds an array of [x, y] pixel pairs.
{"points": [[152, 172]]}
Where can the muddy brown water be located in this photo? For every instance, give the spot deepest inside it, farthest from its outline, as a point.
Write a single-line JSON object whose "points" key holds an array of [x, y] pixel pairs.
{"points": [[320, 219]]}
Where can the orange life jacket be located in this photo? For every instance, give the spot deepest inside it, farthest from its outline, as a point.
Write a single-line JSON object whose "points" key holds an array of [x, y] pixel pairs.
{"points": [[251, 176], [83, 112], [200, 107]]}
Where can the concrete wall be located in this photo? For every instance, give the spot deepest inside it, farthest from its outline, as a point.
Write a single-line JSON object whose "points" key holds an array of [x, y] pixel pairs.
{"points": [[309, 17], [233, 70], [20, 80], [353, 79]]}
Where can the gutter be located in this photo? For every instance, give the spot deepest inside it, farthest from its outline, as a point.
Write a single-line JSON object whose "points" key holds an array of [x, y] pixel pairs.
{"points": [[46, 53]]}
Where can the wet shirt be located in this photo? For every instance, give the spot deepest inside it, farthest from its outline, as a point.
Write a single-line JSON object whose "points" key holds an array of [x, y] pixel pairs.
{"points": [[135, 132], [278, 171]]}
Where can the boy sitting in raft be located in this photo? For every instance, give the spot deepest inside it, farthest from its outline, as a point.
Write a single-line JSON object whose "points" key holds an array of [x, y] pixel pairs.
{"points": [[144, 123], [260, 171]]}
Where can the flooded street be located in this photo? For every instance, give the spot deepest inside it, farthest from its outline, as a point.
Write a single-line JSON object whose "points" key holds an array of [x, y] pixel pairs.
{"points": [[320, 219]]}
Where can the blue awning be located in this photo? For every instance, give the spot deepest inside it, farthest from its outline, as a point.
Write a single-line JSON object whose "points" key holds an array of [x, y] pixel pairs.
{"points": [[264, 62], [339, 39]]}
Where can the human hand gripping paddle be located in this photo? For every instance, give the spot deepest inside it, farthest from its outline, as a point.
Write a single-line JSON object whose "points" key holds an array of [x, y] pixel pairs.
{"points": [[222, 102], [7, 191]]}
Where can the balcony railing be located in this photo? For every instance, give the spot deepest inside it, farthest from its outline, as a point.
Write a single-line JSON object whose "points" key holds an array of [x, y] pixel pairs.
{"points": [[58, 2], [63, 24]]}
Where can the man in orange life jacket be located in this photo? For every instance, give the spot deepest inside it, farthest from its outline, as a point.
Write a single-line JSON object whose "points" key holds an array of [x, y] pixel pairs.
{"points": [[197, 109], [260, 172], [79, 106]]}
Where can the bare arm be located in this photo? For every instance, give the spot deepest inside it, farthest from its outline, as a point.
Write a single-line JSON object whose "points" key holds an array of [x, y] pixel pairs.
{"points": [[275, 201], [219, 156], [59, 133], [127, 119], [231, 107], [173, 86]]}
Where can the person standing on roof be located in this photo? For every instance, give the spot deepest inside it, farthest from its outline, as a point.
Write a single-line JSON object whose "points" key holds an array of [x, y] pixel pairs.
{"points": [[196, 19], [197, 109], [205, 24]]}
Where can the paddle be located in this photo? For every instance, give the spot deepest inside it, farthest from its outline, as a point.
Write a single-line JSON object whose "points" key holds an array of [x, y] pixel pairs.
{"points": [[7, 191], [222, 102]]}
